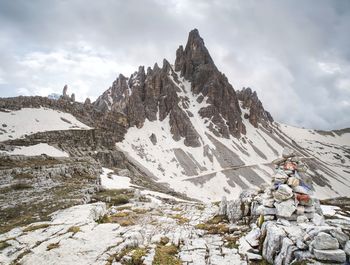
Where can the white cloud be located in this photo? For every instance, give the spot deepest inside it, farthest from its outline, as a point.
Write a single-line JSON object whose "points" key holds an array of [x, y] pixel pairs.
{"points": [[296, 55]]}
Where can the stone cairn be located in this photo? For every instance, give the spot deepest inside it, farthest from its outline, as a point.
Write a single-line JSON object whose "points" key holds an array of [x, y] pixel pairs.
{"points": [[286, 221], [290, 195]]}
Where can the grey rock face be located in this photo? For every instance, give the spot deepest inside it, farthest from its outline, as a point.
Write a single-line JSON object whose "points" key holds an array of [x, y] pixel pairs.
{"points": [[273, 241], [153, 94], [257, 113], [285, 208], [234, 212], [286, 254], [324, 241], [347, 248], [64, 92], [340, 236], [335, 255], [153, 139], [223, 206]]}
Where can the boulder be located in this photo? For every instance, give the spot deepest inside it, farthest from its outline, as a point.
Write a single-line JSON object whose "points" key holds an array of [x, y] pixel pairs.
{"points": [[347, 248], [318, 220], [293, 182], [324, 241], [268, 202], [234, 211], [266, 210], [253, 237], [280, 177], [302, 219], [340, 236], [334, 255], [273, 241], [285, 256], [285, 208], [300, 255], [223, 206], [284, 192], [253, 256]]}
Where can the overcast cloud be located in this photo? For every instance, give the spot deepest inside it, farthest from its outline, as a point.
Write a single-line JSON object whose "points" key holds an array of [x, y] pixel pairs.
{"points": [[295, 54]]}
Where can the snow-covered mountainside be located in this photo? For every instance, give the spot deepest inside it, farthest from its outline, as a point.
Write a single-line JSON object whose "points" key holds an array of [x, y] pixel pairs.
{"points": [[228, 165], [190, 129]]}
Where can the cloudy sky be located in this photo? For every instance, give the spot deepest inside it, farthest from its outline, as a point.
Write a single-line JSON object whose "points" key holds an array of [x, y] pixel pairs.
{"points": [[295, 54]]}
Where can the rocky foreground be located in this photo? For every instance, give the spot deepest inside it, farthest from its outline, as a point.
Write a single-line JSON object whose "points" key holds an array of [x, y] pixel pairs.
{"points": [[136, 227]]}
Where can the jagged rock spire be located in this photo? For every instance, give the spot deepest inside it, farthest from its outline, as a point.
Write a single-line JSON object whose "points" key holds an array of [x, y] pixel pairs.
{"points": [[194, 55], [257, 113]]}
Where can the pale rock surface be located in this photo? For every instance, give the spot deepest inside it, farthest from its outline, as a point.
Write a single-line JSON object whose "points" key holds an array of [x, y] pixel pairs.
{"points": [[324, 241], [334, 255]]}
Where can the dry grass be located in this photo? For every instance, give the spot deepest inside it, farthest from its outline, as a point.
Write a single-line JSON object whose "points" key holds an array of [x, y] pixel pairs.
{"points": [[3, 245], [231, 242], [126, 222], [52, 246], [74, 229], [121, 214], [180, 219], [166, 255], [140, 210], [35, 227], [217, 225]]}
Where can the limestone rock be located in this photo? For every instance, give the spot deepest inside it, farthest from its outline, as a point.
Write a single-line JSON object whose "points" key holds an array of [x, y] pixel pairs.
{"points": [[284, 192], [285, 256], [223, 206], [250, 100], [335, 255], [318, 220], [234, 212], [340, 236], [324, 241], [64, 92], [302, 219], [273, 241], [347, 248], [285, 208], [253, 237], [87, 102]]}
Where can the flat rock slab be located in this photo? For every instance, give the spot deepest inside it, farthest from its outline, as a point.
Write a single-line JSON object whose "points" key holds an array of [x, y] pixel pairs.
{"points": [[335, 255]]}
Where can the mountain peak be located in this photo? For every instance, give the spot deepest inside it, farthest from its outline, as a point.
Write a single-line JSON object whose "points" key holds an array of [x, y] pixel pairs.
{"points": [[194, 55]]}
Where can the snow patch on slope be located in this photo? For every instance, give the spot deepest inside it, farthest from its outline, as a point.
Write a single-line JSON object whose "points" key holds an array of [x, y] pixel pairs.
{"points": [[113, 181], [16, 124], [37, 149]]}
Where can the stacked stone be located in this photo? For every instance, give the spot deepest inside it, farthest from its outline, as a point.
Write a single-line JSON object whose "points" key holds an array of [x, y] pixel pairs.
{"points": [[290, 195]]}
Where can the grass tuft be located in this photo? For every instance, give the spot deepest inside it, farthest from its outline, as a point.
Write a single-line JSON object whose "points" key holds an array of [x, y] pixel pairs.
{"points": [[166, 255], [35, 227], [52, 246], [3, 245], [74, 229]]}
